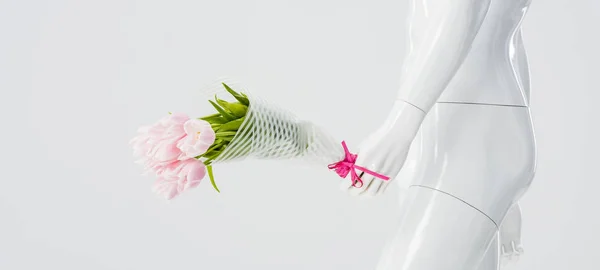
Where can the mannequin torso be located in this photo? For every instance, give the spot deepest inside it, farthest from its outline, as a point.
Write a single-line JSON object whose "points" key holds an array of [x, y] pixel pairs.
{"points": [[495, 71], [463, 105]]}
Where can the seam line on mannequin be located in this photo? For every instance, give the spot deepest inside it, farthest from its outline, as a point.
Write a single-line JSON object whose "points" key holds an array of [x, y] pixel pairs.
{"points": [[484, 104], [461, 201], [412, 105]]}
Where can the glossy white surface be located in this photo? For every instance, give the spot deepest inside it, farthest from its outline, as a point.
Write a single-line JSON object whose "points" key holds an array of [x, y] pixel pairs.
{"points": [[510, 244], [467, 70], [441, 34], [505, 249], [386, 149], [438, 232], [484, 155], [495, 71], [480, 155], [483, 60]]}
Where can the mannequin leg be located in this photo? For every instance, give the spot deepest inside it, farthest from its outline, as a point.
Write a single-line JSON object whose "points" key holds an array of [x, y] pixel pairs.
{"points": [[488, 166], [495, 258], [492, 256], [439, 232]]}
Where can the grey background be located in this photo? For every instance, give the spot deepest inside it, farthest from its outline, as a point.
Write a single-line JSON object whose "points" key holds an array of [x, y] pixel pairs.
{"points": [[78, 78]]}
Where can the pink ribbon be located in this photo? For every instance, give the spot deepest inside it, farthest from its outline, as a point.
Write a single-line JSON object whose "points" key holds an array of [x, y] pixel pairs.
{"points": [[346, 166]]}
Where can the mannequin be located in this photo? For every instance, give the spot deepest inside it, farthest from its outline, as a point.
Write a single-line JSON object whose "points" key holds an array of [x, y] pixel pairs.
{"points": [[463, 105]]}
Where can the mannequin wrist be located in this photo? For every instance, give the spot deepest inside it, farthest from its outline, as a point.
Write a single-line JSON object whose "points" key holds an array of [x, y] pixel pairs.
{"points": [[404, 119]]}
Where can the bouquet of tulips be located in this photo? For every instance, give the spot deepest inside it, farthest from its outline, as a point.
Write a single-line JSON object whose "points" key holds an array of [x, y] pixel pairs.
{"points": [[181, 150]]}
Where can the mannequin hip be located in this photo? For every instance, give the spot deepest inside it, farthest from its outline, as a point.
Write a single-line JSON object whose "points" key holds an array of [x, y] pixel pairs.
{"points": [[481, 154]]}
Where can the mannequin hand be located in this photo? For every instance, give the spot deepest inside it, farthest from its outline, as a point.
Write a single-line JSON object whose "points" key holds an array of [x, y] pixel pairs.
{"points": [[385, 150], [510, 235], [381, 153]]}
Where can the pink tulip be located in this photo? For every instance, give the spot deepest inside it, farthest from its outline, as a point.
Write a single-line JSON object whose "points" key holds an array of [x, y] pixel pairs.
{"points": [[169, 147], [199, 137], [179, 177], [157, 144]]}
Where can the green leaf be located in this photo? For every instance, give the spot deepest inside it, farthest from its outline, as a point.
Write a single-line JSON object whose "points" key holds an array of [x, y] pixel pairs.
{"points": [[212, 177], [225, 114], [218, 142], [219, 120], [231, 91], [216, 120], [225, 134], [240, 97], [211, 149], [215, 149], [227, 138], [238, 109], [213, 154], [221, 102], [235, 109], [208, 162], [212, 116], [231, 125], [243, 99], [224, 104]]}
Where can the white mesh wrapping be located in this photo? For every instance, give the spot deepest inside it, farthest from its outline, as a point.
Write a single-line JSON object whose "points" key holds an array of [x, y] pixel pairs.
{"points": [[271, 132]]}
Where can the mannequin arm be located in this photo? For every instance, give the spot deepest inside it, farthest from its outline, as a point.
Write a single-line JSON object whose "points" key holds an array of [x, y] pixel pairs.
{"points": [[441, 33], [521, 64], [440, 36]]}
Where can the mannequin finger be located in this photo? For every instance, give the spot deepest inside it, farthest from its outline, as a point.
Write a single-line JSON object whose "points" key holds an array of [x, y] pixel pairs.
{"points": [[383, 187], [503, 251], [517, 248], [373, 190], [520, 250], [369, 161], [373, 186], [387, 183], [346, 184], [360, 188], [371, 182], [357, 190]]}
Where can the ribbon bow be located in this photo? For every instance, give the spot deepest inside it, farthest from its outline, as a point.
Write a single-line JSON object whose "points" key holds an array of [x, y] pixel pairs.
{"points": [[346, 166]]}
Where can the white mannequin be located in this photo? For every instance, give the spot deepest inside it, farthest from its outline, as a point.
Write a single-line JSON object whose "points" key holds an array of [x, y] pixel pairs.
{"points": [[463, 104]]}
